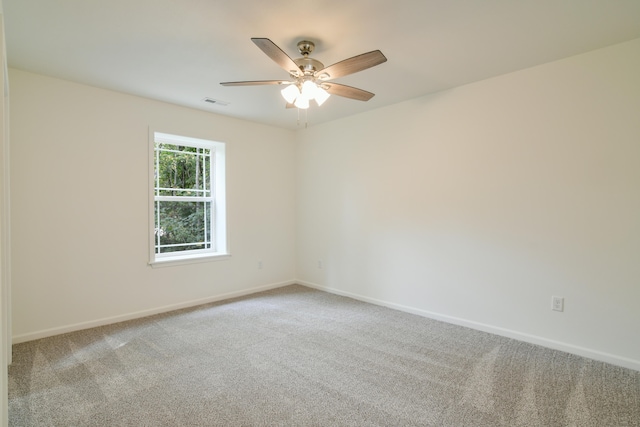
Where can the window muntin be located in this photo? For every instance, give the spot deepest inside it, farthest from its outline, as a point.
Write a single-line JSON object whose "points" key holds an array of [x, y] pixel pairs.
{"points": [[188, 198]]}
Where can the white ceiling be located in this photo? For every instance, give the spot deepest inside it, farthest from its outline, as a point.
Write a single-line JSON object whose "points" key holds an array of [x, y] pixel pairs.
{"points": [[180, 50]]}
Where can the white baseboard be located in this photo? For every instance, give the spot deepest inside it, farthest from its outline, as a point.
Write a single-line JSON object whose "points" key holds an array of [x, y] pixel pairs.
{"points": [[533, 339], [16, 339]]}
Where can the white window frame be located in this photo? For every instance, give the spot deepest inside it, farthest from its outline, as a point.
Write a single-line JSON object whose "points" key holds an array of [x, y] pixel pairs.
{"points": [[219, 249]]}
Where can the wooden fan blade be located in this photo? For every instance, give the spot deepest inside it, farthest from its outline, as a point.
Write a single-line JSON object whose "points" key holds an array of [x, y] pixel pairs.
{"points": [[289, 105], [352, 65], [255, 83], [348, 91], [277, 55]]}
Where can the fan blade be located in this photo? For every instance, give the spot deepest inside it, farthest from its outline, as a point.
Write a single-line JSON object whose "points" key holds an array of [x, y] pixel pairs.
{"points": [[289, 105], [279, 57], [348, 91], [256, 83], [352, 65]]}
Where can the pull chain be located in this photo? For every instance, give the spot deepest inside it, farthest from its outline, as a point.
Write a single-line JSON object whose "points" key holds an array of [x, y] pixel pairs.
{"points": [[306, 117]]}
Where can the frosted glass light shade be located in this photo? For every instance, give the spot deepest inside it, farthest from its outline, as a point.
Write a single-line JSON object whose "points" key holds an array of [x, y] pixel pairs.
{"points": [[290, 93], [309, 89], [321, 96], [302, 102]]}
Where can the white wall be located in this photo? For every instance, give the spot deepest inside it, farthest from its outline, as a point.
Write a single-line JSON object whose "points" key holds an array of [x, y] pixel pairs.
{"points": [[477, 204], [80, 217]]}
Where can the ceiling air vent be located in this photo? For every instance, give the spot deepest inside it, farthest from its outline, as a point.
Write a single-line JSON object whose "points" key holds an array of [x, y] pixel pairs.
{"points": [[216, 102]]}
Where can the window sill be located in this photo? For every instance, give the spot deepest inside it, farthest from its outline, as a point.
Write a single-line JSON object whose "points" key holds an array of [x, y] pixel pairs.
{"points": [[190, 259]]}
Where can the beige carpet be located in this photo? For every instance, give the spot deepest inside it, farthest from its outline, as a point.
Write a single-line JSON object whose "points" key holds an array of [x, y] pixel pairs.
{"points": [[300, 357]]}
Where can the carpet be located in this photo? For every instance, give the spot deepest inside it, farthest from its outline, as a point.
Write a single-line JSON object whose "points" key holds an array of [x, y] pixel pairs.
{"points": [[296, 356]]}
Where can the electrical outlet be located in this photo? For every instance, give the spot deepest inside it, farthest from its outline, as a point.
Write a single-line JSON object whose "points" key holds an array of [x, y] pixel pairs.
{"points": [[320, 264], [260, 265], [557, 303]]}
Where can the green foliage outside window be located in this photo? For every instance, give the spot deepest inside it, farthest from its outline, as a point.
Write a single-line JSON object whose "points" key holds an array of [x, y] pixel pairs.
{"points": [[184, 172]]}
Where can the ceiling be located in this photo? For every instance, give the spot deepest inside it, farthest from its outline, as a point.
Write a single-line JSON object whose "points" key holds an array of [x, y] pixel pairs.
{"points": [[179, 51]]}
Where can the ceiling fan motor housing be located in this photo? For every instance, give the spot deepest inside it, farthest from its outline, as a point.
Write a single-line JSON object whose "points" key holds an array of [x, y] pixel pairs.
{"points": [[308, 65]]}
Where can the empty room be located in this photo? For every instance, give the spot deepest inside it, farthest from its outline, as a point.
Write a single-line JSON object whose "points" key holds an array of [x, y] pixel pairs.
{"points": [[355, 213]]}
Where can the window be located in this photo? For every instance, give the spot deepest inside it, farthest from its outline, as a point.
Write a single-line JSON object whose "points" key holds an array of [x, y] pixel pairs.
{"points": [[188, 199]]}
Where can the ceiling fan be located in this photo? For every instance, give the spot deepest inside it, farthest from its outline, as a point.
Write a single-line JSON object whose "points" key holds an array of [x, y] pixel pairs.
{"points": [[310, 79]]}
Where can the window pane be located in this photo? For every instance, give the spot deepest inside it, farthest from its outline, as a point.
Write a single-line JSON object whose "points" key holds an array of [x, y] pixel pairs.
{"points": [[182, 171], [185, 198], [182, 226]]}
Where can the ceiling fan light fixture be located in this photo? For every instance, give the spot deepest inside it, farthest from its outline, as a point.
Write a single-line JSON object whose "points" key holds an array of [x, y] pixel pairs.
{"points": [[309, 89], [321, 96], [290, 93], [302, 103]]}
